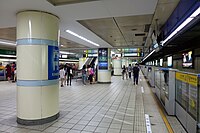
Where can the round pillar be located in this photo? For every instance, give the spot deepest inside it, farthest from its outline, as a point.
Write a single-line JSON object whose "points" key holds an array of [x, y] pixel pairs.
{"points": [[124, 62], [37, 67], [104, 66], [117, 66]]}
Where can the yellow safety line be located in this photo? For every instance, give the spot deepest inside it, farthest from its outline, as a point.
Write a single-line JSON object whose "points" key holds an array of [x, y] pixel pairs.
{"points": [[161, 111]]}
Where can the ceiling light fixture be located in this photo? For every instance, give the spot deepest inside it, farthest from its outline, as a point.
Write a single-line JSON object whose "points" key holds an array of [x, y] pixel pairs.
{"points": [[181, 26], [64, 52], [83, 38], [6, 42], [68, 60], [148, 55], [2, 55]]}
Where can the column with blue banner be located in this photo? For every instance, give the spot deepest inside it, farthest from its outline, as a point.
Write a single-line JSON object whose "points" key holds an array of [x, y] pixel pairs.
{"points": [[104, 67], [37, 67]]}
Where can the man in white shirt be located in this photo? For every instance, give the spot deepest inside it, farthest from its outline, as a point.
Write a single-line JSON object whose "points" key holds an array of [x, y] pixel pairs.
{"points": [[62, 75]]}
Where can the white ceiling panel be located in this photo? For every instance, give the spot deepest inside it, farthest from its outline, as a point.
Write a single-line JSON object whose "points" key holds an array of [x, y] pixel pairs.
{"points": [[69, 14]]}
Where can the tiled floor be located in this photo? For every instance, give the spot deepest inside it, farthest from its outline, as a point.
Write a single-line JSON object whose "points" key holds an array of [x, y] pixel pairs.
{"points": [[118, 107]]}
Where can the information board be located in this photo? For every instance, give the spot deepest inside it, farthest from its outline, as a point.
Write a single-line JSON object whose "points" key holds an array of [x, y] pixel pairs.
{"points": [[103, 58], [187, 92], [184, 96], [193, 90]]}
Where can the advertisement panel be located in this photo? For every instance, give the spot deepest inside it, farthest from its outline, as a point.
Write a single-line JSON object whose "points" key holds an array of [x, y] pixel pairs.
{"points": [[53, 62], [103, 58]]}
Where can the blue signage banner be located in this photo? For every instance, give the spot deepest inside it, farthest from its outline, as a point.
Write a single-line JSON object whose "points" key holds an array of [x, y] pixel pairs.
{"points": [[53, 62]]}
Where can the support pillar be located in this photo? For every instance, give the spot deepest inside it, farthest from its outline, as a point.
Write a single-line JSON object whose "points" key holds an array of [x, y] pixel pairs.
{"points": [[117, 65], [37, 67], [104, 66]]}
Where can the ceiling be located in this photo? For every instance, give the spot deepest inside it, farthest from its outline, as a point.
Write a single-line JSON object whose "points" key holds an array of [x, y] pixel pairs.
{"points": [[127, 31], [64, 2], [188, 39], [109, 23]]}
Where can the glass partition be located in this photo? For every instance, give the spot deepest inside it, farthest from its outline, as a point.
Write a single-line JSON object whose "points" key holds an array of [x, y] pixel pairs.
{"points": [[165, 82], [178, 91], [157, 78], [162, 88]]}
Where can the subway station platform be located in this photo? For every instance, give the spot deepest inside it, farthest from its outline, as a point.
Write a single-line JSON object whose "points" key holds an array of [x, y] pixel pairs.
{"points": [[119, 107]]}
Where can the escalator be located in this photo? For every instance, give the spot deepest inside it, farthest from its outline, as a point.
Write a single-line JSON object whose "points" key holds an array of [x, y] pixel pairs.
{"points": [[87, 62], [92, 63]]}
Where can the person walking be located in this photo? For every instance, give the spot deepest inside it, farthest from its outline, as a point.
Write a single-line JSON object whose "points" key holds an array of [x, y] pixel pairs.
{"points": [[90, 73], [84, 74], [15, 75], [69, 74], [135, 74], [123, 71], [129, 71], [62, 75], [8, 72], [65, 77]]}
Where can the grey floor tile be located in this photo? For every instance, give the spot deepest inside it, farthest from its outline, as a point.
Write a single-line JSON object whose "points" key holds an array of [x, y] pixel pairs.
{"points": [[51, 129], [78, 127], [110, 130], [93, 123], [127, 127], [86, 132], [127, 131], [90, 128], [62, 130], [104, 124], [68, 125], [101, 130], [34, 131], [21, 130], [4, 127], [73, 131], [159, 128], [116, 126], [58, 124], [83, 122], [12, 129], [97, 107], [73, 121]]}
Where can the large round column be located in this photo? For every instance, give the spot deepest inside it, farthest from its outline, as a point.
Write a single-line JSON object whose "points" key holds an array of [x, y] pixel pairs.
{"points": [[37, 67], [104, 66], [124, 62], [117, 66]]}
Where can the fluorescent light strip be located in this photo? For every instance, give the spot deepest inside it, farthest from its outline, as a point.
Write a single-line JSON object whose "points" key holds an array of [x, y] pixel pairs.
{"points": [[5, 60], [1, 55], [74, 34], [63, 52], [67, 60], [180, 27], [9, 43], [149, 55]]}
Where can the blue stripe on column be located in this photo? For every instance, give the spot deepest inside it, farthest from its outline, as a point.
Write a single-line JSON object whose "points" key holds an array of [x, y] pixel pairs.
{"points": [[32, 41], [37, 82]]}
